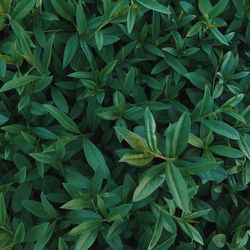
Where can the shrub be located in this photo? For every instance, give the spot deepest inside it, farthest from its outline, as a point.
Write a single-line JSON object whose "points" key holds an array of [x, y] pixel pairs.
{"points": [[124, 124]]}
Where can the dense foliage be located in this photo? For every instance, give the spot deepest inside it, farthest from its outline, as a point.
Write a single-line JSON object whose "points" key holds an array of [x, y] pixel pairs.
{"points": [[124, 124]]}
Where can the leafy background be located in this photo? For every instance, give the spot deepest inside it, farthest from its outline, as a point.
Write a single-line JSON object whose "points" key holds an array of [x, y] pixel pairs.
{"points": [[124, 124]]}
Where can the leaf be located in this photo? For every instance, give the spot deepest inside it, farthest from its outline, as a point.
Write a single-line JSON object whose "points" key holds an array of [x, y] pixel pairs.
{"points": [[222, 128], [205, 6], [218, 8], [219, 240], [3, 212], [19, 233], [99, 39], [85, 227], [131, 16], [150, 130], [35, 208], [86, 240], [81, 21], [151, 181], [226, 151], [177, 187], [129, 81], [137, 159], [219, 36], [70, 49], [59, 100], [94, 157], [153, 5], [47, 53], [19, 82], [63, 9], [157, 233], [175, 64], [118, 212], [62, 118], [44, 158], [135, 141], [22, 9]]}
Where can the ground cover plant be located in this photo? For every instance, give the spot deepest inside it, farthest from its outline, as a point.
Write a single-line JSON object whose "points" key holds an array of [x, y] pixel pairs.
{"points": [[124, 124]]}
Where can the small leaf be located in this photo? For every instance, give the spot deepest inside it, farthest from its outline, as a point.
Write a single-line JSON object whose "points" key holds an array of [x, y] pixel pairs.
{"points": [[226, 151], [177, 187], [22, 9], [62, 118], [137, 159], [219, 240], [150, 129], [3, 213], [94, 157], [18, 82], [218, 8], [44, 158], [222, 128], [131, 19], [175, 64], [154, 5], [99, 39], [151, 180], [70, 50]]}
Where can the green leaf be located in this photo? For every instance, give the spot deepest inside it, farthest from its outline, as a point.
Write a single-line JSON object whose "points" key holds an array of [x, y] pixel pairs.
{"points": [[59, 100], [35, 208], [62, 118], [19, 233], [19, 82], [99, 39], [85, 227], [135, 141], [22, 9], [222, 128], [77, 204], [151, 181], [219, 240], [205, 6], [137, 159], [131, 16], [175, 64], [226, 151], [81, 21], [95, 157], [63, 9], [86, 240], [218, 8], [150, 130], [3, 213], [44, 158], [157, 233], [177, 187], [70, 49], [118, 212], [153, 5], [129, 81], [219, 36]]}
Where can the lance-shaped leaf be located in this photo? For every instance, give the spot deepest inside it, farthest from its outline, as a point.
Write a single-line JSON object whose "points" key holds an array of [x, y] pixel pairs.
{"points": [[150, 130], [222, 128], [154, 5], [18, 82], [151, 180], [62, 118], [95, 157], [177, 136], [137, 159], [177, 186], [135, 141]]}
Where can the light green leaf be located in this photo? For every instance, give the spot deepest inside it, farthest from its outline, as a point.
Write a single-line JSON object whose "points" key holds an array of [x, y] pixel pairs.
{"points": [[137, 159], [150, 130]]}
